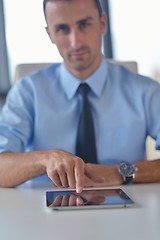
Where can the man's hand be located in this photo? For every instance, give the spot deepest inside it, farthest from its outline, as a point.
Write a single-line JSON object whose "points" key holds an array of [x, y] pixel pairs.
{"points": [[110, 175], [67, 170], [63, 168]]}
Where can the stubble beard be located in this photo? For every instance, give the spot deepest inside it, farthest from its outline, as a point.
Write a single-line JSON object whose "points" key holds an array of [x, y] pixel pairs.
{"points": [[82, 63]]}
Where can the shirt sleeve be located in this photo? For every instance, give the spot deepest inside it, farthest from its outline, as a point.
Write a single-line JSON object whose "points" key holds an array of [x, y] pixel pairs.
{"points": [[152, 111], [17, 118]]}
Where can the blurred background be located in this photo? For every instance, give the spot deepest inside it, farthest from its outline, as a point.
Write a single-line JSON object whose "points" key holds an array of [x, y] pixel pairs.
{"points": [[133, 35]]}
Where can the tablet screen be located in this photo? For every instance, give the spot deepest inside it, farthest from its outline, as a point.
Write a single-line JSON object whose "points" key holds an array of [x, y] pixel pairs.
{"points": [[89, 198]]}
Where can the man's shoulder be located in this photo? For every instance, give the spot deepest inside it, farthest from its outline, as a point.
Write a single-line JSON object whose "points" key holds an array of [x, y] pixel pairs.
{"points": [[52, 70], [38, 80], [120, 68], [42, 76], [128, 74]]}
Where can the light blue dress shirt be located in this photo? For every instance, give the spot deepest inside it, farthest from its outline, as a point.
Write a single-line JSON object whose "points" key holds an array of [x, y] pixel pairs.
{"points": [[42, 112]]}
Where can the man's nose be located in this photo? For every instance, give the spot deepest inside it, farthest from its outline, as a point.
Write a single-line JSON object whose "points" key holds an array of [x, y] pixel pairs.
{"points": [[76, 38]]}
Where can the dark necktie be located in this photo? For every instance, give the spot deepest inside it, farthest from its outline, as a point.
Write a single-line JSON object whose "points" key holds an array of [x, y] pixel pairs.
{"points": [[85, 146]]}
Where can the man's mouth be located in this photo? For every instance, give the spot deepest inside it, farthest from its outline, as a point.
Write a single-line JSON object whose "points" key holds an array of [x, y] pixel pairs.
{"points": [[79, 54]]}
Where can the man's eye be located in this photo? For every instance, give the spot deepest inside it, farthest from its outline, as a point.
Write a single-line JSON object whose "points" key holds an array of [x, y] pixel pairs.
{"points": [[62, 29], [84, 25]]}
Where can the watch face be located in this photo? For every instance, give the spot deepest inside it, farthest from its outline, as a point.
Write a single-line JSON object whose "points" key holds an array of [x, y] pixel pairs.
{"points": [[127, 169]]}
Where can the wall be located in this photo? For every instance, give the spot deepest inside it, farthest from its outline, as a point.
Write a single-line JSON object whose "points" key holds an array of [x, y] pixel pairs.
{"points": [[136, 33]]}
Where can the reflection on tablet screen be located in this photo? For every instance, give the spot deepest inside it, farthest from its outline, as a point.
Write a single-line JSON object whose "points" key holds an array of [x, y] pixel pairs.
{"points": [[100, 197]]}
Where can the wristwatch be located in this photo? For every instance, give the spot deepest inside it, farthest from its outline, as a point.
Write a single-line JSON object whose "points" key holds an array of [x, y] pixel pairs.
{"points": [[127, 170]]}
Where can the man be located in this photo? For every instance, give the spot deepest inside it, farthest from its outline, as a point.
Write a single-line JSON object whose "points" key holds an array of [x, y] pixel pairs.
{"points": [[38, 126]]}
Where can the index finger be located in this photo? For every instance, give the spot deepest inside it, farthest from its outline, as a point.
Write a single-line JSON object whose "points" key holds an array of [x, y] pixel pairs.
{"points": [[79, 176]]}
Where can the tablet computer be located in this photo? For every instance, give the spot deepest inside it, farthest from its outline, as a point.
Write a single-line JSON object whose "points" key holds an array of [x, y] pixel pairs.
{"points": [[89, 198]]}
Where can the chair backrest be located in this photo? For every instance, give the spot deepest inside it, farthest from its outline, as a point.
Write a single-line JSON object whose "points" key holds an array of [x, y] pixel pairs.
{"points": [[131, 65], [27, 68], [24, 69]]}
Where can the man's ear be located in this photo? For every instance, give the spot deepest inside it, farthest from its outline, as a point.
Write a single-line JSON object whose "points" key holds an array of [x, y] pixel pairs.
{"points": [[47, 30], [104, 22]]}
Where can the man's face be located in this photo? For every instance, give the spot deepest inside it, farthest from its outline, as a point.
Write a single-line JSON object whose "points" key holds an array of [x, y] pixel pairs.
{"points": [[76, 28]]}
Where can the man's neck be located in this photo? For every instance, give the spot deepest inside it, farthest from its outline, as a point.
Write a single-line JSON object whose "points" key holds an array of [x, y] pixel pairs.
{"points": [[84, 73]]}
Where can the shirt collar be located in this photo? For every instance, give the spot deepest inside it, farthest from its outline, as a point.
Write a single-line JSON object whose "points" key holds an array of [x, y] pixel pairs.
{"points": [[96, 81]]}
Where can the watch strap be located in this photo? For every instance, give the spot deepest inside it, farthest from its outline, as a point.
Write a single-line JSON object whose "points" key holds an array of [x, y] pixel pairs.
{"points": [[128, 180]]}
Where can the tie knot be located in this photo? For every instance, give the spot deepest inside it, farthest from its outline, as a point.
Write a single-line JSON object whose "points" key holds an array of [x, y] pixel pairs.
{"points": [[84, 89]]}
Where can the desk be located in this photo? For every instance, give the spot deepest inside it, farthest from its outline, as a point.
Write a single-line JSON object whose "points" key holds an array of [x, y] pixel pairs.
{"points": [[24, 216]]}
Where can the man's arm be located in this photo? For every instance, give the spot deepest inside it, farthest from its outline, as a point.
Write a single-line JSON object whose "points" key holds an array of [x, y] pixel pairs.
{"points": [[67, 170], [148, 172], [16, 168], [63, 168]]}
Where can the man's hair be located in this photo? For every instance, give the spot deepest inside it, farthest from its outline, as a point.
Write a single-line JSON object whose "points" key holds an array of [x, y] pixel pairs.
{"points": [[97, 3]]}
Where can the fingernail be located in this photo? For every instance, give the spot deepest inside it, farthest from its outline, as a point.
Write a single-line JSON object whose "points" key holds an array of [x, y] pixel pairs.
{"points": [[79, 189]]}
